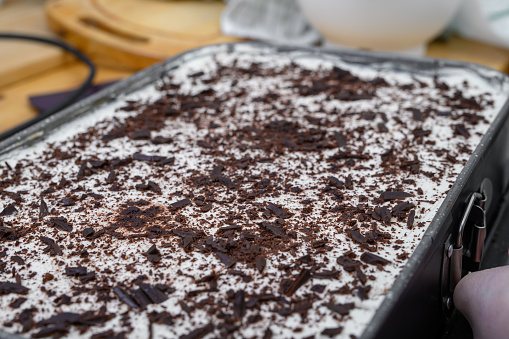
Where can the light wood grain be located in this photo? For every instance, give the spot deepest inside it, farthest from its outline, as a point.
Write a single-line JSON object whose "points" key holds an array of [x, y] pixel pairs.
{"points": [[458, 48], [18, 59], [14, 104], [136, 33]]}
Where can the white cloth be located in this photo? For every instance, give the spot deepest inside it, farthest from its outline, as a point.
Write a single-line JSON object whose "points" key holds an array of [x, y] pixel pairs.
{"points": [[279, 21]]}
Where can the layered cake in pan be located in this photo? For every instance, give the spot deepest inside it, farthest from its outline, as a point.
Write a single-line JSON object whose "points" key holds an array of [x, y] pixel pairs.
{"points": [[234, 191]]}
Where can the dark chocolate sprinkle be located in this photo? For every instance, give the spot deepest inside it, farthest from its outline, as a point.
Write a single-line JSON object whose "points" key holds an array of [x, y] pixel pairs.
{"points": [[360, 275], [53, 247], [325, 274], [301, 279], [260, 263], [273, 229], [411, 218], [460, 129], [17, 259], [10, 287], [43, 209], [122, 295], [333, 181], [88, 232], [278, 211], [340, 139], [180, 203], [60, 223], [154, 293], [111, 177], [199, 332], [18, 302], [154, 187], [85, 278], [96, 163], [67, 202], [225, 259], [226, 181], [8, 210], [373, 259], [390, 195], [141, 134], [216, 173], [341, 309], [239, 304], [153, 254], [332, 332], [76, 271]]}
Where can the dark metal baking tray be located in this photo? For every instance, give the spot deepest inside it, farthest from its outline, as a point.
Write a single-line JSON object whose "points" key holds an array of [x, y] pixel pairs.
{"points": [[413, 308]]}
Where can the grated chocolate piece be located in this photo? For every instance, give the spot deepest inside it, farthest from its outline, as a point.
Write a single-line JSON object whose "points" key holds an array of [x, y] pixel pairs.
{"points": [[332, 332], [391, 195], [60, 223], [373, 259], [53, 247], [341, 309], [10, 287], [225, 259], [301, 279], [180, 203], [278, 211], [8, 210]]}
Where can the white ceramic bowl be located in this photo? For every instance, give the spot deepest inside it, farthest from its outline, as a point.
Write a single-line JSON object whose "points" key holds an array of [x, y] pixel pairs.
{"points": [[385, 25]]}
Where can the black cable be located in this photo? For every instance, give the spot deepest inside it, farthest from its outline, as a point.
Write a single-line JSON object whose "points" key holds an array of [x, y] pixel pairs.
{"points": [[67, 101]]}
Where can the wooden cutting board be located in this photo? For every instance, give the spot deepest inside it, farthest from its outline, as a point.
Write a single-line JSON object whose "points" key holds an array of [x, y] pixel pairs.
{"points": [[136, 33]]}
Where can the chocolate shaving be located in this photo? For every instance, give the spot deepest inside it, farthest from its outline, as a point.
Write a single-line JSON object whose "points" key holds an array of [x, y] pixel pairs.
{"points": [[60, 223], [153, 254], [225, 259], [391, 195], [226, 182], [332, 332], [8, 210], [199, 332], [278, 211], [333, 181], [373, 259], [360, 275], [76, 271], [53, 247], [18, 302], [260, 263], [348, 263], [341, 309], [43, 209], [154, 293], [460, 129], [180, 203], [10, 287], [301, 279], [340, 139], [216, 173], [239, 304], [123, 296], [154, 187], [273, 229], [411, 218], [325, 274]]}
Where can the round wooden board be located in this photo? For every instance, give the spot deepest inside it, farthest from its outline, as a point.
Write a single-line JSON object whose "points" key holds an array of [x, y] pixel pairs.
{"points": [[136, 33]]}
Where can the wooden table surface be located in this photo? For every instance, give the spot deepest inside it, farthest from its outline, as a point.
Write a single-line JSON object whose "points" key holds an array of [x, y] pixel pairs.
{"points": [[28, 69]]}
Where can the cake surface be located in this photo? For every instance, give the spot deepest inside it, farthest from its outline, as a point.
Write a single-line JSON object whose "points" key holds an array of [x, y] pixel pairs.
{"points": [[243, 194]]}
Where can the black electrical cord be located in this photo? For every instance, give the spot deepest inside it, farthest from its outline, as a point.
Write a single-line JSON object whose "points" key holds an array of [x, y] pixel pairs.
{"points": [[67, 101]]}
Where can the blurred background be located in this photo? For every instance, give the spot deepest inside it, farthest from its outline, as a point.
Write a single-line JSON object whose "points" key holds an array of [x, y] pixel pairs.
{"points": [[124, 36]]}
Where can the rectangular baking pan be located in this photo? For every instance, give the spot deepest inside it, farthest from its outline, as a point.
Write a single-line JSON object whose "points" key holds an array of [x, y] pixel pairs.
{"points": [[414, 306]]}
